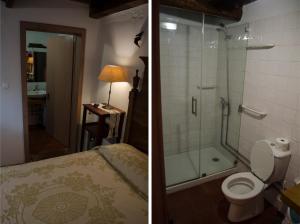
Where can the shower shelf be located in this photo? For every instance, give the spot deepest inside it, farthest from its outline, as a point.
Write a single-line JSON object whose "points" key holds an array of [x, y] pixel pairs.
{"points": [[208, 87], [259, 47], [252, 112]]}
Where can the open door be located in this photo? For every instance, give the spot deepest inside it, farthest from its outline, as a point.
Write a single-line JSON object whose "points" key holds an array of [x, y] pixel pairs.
{"points": [[59, 75]]}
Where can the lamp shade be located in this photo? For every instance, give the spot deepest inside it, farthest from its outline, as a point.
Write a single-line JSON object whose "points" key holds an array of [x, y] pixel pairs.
{"points": [[30, 59], [113, 73]]}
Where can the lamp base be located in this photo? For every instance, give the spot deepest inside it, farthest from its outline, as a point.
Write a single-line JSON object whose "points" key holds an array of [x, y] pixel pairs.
{"points": [[107, 106]]}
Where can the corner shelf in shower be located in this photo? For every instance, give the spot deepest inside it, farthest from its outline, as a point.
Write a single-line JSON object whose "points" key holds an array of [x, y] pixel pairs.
{"points": [[260, 47], [208, 87]]}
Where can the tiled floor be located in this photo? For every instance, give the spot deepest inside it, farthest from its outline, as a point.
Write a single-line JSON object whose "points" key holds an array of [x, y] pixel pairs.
{"points": [[185, 166], [42, 145], [206, 204], [179, 168]]}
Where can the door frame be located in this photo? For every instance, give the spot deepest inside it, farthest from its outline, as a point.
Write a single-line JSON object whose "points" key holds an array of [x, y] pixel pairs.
{"points": [[51, 28], [159, 196]]}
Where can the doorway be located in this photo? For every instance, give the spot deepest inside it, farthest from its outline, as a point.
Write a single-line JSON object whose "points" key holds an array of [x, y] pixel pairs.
{"points": [[52, 58]]}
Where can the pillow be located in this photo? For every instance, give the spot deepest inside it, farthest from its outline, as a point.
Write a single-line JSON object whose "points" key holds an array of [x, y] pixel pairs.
{"points": [[130, 162]]}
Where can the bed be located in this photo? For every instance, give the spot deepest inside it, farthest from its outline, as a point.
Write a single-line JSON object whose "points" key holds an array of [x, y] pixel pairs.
{"points": [[105, 185]]}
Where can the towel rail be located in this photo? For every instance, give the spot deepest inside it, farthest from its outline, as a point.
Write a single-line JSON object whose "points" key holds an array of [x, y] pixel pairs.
{"points": [[252, 112], [260, 47]]}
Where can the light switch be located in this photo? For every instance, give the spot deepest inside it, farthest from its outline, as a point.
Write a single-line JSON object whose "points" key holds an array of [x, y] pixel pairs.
{"points": [[4, 85]]}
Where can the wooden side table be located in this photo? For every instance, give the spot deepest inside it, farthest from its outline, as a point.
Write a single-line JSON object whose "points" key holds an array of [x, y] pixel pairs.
{"points": [[291, 197], [99, 129]]}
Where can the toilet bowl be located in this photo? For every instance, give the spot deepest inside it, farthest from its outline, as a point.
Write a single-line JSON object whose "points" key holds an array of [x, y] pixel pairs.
{"points": [[244, 190], [241, 186]]}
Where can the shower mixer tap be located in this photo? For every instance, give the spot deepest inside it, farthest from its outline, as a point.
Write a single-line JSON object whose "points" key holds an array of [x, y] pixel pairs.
{"points": [[225, 104]]}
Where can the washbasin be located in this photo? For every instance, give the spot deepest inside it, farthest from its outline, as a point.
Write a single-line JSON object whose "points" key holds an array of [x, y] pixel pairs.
{"points": [[36, 93]]}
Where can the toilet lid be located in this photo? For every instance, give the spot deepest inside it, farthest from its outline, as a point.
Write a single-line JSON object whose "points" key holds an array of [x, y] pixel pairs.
{"points": [[262, 160]]}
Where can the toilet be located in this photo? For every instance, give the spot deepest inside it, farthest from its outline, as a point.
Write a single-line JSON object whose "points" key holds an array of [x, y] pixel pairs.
{"points": [[243, 190]]}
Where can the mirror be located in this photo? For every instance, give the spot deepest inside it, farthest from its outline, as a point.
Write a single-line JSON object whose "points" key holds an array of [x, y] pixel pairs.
{"points": [[36, 62]]}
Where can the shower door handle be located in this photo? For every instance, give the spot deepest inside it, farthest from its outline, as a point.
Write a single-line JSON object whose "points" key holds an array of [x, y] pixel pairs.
{"points": [[194, 106]]}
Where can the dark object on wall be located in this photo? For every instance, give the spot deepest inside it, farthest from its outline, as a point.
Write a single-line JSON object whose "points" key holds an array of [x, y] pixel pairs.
{"points": [[35, 45], [136, 132], [138, 38], [39, 66], [9, 3]]}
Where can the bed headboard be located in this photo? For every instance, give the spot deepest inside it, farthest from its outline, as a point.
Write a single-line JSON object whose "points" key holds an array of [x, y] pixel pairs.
{"points": [[136, 131]]}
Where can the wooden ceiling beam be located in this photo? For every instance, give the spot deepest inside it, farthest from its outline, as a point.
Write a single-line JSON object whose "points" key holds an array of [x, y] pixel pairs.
{"points": [[100, 9], [228, 4], [82, 1], [230, 9], [9, 3]]}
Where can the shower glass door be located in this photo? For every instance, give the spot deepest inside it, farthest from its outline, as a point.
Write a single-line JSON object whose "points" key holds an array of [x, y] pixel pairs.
{"points": [[202, 75], [180, 53], [222, 87]]}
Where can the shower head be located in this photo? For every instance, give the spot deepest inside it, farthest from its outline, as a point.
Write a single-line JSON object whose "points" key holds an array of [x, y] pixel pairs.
{"points": [[223, 28]]}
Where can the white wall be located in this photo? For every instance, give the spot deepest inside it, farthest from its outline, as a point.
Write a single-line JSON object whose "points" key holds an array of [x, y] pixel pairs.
{"points": [[117, 47], [272, 81]]}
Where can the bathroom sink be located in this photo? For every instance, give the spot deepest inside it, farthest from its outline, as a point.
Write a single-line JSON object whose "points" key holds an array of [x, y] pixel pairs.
{"points": [[37, 93]]}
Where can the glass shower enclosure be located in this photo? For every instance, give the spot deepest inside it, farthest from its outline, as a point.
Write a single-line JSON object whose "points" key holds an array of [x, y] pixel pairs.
{"points": [[202, 75]]}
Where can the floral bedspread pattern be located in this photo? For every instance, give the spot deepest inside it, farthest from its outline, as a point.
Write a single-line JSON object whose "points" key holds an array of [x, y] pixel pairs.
{"points": [[79, 188]]}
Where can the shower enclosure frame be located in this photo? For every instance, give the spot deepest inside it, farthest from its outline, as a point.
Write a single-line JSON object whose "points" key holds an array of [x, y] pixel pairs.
{"points": [[237, 166], [159, 195]]}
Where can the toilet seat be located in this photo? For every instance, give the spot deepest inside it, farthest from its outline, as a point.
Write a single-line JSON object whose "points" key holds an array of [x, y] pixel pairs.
{"points": [[241, 186]]}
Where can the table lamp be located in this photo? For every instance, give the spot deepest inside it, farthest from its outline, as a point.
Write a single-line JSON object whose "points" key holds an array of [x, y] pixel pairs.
{"points": [[112, 73]]}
